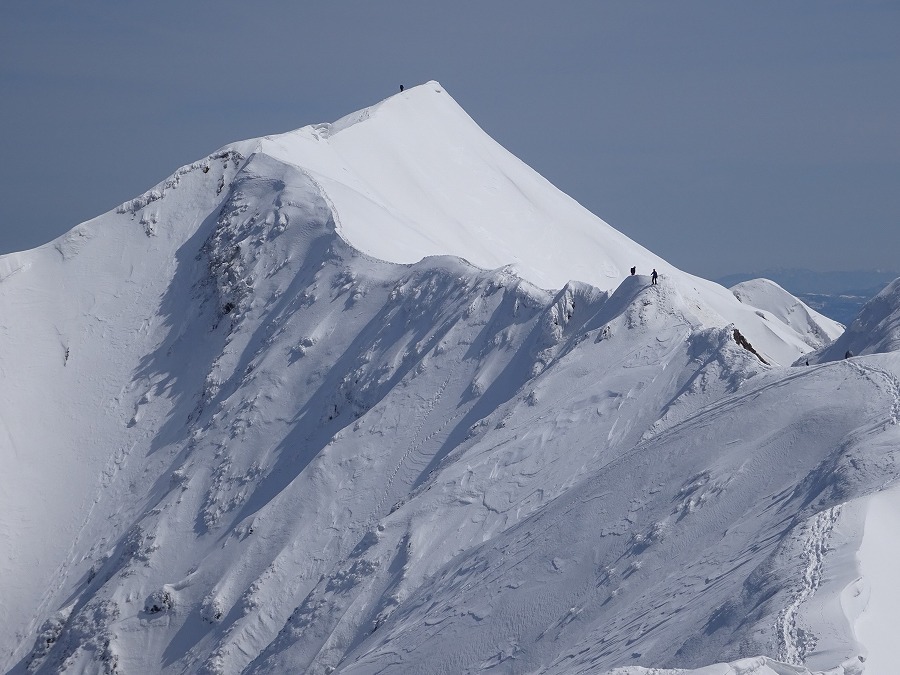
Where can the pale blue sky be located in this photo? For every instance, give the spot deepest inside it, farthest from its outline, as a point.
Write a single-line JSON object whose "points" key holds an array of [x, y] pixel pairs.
{"points": [[724, 136]]}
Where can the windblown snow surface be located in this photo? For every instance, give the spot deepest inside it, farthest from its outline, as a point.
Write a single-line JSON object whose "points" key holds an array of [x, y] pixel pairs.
{"points": [[327, 402]]}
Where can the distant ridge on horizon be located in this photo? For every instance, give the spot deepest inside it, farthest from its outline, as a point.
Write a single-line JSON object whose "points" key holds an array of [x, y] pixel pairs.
{"points": [[802, 280], [839, 295]]}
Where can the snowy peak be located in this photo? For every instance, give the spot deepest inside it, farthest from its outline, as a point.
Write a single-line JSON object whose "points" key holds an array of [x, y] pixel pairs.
{"points": [[415, 176], [771, 298], [426, 99]]}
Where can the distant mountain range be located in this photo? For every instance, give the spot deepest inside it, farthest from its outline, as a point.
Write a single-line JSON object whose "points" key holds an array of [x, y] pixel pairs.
{"points": [[837, 295]]}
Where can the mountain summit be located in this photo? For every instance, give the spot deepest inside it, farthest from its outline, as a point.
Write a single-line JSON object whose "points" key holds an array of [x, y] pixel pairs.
{"points": [[373, 396], [414, 176]]}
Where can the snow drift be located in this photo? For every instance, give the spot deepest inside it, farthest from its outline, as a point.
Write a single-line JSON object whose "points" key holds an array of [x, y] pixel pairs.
{"points": [[329, 402]]}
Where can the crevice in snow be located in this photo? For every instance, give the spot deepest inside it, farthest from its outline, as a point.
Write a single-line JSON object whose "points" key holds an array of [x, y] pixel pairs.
{"points": [[742, 341]]}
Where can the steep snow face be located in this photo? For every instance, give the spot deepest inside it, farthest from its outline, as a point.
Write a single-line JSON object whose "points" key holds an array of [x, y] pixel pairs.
{"points": [[771, 298], [875, 330], [414, 176], [80, 319]]}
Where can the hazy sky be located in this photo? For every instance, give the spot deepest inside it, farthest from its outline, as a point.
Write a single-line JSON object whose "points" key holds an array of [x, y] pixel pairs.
{"points": [[724, 136]]}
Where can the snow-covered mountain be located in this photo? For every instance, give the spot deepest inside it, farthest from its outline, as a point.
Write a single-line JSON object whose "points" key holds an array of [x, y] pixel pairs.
{"points": [[837, 295], [374, 396], [768, 296]]}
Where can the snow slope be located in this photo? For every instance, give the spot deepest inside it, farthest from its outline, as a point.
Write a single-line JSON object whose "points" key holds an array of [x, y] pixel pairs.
{"points": [[875, 330], [876, 627], [81, 319], [667, 574], [769, 297], [267, 418]]}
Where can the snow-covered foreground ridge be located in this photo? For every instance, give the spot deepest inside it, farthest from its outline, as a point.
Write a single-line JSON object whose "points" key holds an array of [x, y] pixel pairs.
{"points": [[245, 428]]}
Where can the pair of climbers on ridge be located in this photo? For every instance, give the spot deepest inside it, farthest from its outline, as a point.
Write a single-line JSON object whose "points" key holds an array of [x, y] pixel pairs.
{"points": [[653, 275]]}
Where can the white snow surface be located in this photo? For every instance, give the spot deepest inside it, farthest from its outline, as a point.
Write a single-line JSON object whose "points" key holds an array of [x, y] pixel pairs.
{"points": [[774, 302], [877, 588], [267, 418]]}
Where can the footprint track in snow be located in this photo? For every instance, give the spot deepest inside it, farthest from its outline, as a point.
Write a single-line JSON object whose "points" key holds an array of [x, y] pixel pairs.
{"points": [[795, 642], [416, 443]]}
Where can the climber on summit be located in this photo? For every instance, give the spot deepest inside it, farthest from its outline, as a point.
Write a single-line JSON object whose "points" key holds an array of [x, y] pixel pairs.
{"points": [[653, 277], [633, 271]]}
